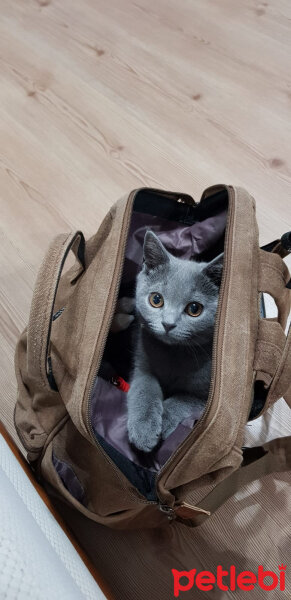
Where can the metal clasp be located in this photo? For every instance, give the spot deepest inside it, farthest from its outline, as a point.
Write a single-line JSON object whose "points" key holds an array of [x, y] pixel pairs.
{"points": [[168, 511]]}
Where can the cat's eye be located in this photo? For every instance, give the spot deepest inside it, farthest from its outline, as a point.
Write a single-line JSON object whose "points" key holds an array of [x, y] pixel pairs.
{"points": [[156, 300], [194, 309]]}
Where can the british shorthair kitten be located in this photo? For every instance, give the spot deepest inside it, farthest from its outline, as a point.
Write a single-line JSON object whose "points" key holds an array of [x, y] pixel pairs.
{"points": [[176, 302]]}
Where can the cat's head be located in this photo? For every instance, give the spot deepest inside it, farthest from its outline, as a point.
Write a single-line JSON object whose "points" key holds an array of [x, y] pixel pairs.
{"points": [[176, 299]]}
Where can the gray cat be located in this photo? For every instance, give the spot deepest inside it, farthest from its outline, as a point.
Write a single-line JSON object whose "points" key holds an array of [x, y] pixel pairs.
{"points": [[176, 302]]}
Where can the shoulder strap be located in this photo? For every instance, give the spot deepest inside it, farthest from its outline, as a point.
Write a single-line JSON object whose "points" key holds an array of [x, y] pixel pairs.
{"points": [[281, 384], [43, 301], [272, 457]]}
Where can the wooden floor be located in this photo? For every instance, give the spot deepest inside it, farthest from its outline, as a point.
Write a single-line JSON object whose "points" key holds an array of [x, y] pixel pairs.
{"points": [[100, 97]]}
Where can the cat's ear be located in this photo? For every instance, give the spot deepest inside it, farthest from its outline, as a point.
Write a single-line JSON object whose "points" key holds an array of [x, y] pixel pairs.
{"points": [[154, 252], [213, 269]]}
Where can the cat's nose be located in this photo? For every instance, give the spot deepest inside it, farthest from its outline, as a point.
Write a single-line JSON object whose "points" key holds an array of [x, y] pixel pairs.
{"points": [[168, 326]]}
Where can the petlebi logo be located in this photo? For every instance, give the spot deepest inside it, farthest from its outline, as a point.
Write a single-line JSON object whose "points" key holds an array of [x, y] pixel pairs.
{"points": [[228, 580]]}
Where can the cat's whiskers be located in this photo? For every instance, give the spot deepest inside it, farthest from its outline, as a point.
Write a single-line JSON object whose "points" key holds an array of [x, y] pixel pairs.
{"points": [[203, 350], [189, 347]]}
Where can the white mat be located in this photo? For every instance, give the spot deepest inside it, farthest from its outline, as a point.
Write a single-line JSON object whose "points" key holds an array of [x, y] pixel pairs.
{"points": [[37, 561]]}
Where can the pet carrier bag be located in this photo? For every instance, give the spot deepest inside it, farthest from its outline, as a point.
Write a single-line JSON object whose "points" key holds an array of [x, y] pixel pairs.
{"points": [[73, 366]]}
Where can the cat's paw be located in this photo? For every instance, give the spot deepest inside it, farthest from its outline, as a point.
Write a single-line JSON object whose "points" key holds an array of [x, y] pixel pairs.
{"points": [[170, 422], [145, 436]]}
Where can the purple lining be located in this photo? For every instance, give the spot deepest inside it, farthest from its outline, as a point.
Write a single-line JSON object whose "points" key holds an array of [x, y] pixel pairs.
{"points": [[69, 479], [108, 403], [183, 241]]}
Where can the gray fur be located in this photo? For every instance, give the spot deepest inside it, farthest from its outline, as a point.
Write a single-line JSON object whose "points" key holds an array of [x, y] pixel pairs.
{"points": [[171, 373]]}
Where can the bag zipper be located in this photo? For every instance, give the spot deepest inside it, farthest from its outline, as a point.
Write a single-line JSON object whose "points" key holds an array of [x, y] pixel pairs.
{"points": [[216, 346], [112, 299], [113, 295]]}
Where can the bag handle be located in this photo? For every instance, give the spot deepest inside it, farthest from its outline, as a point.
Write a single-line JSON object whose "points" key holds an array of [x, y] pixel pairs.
{"points": [[273, 279], [273, 349], [281, 384], [43, 302], [281, 247]]}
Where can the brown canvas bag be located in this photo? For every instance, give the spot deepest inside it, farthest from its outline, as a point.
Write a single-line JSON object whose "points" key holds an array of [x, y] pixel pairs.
{"points": [[60, 356]]}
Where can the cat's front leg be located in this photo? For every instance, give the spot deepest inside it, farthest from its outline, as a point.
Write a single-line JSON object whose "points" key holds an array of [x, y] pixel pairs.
{"points": [[145, 409], [176, 409], [123, 316]]}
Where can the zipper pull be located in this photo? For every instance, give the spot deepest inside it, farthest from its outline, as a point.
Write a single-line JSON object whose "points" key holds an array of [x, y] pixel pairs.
{"points": [[193, 514], [168, 511], [184, 512]]}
